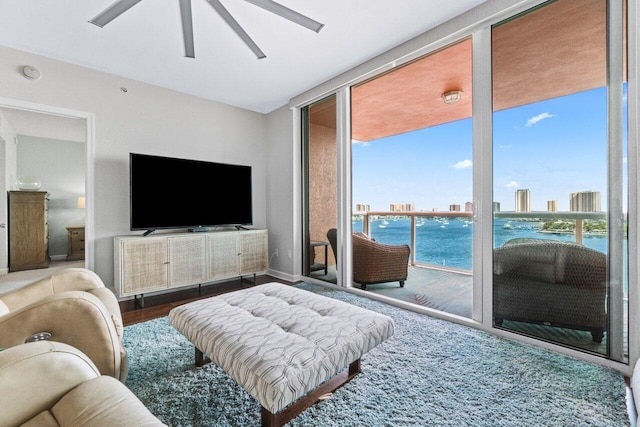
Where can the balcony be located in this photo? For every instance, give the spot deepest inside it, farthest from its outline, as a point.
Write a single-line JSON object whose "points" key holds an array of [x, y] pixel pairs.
{"points": [[440, 272]]}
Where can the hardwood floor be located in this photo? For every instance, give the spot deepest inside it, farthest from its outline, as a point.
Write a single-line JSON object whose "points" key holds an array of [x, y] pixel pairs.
{"points": [[159, 305]]}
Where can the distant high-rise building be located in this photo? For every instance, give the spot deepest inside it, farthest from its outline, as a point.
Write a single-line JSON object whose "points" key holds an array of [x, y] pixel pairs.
{"points": [[585, 201], [552, 206], [454, 208], [435, 210], [402, 207], [468, 207], [496, 206], [523, 200], [362, 208]]}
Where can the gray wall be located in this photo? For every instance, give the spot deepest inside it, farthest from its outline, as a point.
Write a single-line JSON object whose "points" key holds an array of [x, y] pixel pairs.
{"points": [[146, 119], [60, 165], [282, 188]]}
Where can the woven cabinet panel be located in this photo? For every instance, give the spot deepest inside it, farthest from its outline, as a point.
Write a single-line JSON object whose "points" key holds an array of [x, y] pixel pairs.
{"points": [[145, 264], [187, 263], [224, 257], [253, 246]]}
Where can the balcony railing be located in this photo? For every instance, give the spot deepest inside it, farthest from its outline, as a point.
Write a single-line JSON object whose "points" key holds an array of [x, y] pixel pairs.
{"points": [[578, 217]]}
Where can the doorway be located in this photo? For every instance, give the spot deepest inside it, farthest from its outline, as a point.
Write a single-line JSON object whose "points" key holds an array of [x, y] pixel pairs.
{"points": [[56, 146]]}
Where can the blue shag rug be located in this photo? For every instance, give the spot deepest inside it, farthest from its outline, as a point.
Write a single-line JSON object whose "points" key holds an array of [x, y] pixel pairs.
{"points": [[431, 373]]}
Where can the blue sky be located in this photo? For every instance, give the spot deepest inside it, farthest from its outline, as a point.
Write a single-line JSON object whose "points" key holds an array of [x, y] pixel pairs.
{"points": [[553, 148]]}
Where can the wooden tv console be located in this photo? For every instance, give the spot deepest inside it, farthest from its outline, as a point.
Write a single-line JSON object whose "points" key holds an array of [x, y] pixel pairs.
{"points": [[160, 262]]}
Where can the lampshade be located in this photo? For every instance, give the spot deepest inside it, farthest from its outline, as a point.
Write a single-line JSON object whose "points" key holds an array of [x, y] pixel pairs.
{"points": [[81, 202]]}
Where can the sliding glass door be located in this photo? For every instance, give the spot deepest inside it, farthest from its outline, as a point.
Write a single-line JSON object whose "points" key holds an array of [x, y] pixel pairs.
{"points": [[412, 182], [515, 211], [560, 205]]}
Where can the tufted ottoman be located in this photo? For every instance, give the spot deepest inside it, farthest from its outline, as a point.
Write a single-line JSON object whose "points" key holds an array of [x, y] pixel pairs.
{"points": [[280, 343]]}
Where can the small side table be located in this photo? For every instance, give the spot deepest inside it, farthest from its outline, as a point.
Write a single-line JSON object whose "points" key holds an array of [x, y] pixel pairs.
{"points": [[75, 249], [319, 266]]}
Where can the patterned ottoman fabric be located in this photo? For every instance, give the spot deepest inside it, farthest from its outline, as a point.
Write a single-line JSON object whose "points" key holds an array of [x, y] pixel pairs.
{"points": [[277, 341]]}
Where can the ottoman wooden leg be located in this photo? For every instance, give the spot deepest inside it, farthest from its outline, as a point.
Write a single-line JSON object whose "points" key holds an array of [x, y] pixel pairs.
{"points": [[296, 408], [200, 359]]}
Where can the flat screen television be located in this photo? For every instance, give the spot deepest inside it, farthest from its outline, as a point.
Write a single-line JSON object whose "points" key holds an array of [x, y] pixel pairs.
{"points": [[168, 192]]}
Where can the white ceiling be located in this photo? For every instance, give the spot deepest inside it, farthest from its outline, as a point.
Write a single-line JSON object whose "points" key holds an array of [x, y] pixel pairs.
{"points": [[145, 43]]}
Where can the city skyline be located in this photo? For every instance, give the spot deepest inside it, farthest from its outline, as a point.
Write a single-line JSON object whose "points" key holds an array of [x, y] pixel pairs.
{"points": [[579, 201], [553, 148]]}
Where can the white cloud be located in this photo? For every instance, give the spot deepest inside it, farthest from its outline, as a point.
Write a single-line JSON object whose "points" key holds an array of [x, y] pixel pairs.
{"points": [[533, 120], [363, 143], [512, 185], [462, 164]]}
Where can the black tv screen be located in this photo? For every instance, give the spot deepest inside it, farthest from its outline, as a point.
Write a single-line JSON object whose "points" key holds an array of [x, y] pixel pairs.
{"points": [[168, 192]]}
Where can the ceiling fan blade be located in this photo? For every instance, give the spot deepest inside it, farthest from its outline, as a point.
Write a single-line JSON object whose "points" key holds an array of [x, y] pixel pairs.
{"points": [[113, 11], [287, 13], [224, 14], [187, 28]]}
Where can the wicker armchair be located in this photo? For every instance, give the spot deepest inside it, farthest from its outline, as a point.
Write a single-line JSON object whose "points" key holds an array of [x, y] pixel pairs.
{"points": [[375, 262], [552, 283]]}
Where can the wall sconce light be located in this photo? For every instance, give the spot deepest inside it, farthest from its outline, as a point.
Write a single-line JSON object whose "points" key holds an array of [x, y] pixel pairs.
{"points": [[81, 202], [452, 96]]}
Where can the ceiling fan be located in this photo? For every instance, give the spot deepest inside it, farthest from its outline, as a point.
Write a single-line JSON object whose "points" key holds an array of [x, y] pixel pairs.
{"points": [[121, 6]]}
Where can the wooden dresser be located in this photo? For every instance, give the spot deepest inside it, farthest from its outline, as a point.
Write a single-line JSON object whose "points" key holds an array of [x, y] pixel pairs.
{"points": [[75, 248], [28, 230]]}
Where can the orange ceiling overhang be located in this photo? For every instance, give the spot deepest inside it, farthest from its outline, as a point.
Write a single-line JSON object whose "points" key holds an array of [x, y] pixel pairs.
{"points": [[554, 51]]}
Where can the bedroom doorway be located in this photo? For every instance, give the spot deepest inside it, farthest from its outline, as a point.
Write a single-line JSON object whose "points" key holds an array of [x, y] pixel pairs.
{"points": [[60, 135]]}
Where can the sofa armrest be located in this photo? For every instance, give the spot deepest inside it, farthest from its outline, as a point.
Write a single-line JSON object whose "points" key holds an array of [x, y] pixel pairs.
{"points": [[35, 376], [68, 279], [75, 318], [116, 406], [107, 297]]}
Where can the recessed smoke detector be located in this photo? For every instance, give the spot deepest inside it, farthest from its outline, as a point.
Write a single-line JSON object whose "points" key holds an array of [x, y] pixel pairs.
{"points": [[30, 72]]}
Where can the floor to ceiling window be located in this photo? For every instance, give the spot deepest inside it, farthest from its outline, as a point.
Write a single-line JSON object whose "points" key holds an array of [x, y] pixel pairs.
{"points": [[557, 180], [412, 182], [511, 216]]}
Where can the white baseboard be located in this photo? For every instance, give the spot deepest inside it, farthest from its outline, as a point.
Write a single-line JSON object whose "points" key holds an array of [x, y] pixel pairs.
{"points": [[4, 271], [284, 276], [631, 408]]}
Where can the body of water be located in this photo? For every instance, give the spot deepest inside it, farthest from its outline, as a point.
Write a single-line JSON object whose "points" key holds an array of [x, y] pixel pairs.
{"points": [[448, 241]]}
